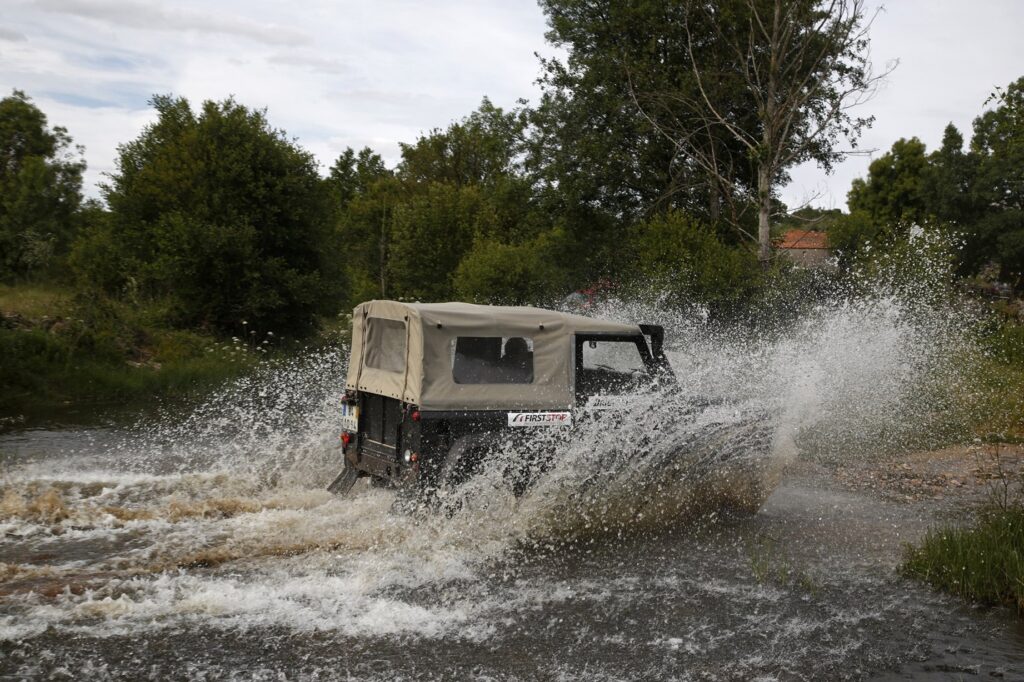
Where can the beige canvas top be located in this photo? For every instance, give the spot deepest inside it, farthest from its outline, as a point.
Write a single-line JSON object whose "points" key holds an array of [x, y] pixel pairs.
{"points": [[406, 351]]}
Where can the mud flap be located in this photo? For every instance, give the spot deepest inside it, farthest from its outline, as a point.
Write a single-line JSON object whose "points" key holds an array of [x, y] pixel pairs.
{"points": [[345, 480]]}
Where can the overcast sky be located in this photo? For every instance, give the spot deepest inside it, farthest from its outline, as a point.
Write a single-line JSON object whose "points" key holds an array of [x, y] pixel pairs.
{"points": [[335, 73]]}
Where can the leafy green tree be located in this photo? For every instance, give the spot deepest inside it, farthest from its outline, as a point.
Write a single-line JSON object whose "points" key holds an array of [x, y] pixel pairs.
{"points": [[998, 144], [799, 66], [677, 255], [512, 274], [364, 229], [949, 183], [598, 153], [40, 188], [850, 234], [894, 191], [430, 234], [222, 217], [481, 149], [352, 174]]}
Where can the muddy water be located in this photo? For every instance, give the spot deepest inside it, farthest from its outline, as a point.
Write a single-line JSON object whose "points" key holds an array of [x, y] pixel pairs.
{"points": [[203, 546], [206, 575]]}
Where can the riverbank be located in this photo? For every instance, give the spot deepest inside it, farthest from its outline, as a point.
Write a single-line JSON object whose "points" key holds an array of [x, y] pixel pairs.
{"points": [[974, 546], [59, 349]]}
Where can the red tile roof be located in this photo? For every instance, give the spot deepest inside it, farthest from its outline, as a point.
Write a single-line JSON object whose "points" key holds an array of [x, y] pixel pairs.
{"points": [[804, 239]]}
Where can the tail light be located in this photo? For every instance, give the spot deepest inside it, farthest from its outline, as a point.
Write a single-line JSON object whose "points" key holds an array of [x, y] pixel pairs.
{"points": [[346, 438], [415, 415]]}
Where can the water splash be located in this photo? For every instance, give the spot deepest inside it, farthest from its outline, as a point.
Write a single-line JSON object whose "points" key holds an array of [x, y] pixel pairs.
{"points": [[195, 519]]}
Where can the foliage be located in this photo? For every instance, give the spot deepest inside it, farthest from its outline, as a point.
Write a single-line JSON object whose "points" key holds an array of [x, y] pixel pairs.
{"points": [[40, 189], [223, 216], [445, 217], [894, 189], [63, 347], [978, 193], [479, 150], [998, 144], [511, 274], [602, 163], [686, 259], [984, 562], [768, 84]]}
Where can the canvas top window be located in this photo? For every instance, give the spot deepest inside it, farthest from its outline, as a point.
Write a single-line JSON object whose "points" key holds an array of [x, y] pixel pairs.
{"points": [[492, 360], [610, 364], [385, 344]]}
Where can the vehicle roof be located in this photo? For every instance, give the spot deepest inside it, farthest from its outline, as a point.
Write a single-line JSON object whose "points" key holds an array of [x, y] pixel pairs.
{"points": [[417, 340], [499, 314]]}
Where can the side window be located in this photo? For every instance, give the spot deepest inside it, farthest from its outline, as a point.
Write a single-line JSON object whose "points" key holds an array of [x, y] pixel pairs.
{"points": [[385, 344], [616, 356], [492, 360], [608, 367]]}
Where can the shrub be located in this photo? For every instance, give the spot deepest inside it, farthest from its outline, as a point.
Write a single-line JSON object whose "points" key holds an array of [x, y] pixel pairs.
{"points": [[688, 261], [510, 274]]}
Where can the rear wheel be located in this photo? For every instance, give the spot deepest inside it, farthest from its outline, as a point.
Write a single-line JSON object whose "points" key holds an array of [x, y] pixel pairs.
{"points": [[464, 460]]}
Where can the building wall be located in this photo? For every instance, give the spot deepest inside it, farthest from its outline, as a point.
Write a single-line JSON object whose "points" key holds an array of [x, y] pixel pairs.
{"points": [[808, 258]]}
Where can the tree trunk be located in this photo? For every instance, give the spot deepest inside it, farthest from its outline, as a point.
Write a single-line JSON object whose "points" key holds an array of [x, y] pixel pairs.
{"points": [[714, 202], [764, 209], [384, 254]]}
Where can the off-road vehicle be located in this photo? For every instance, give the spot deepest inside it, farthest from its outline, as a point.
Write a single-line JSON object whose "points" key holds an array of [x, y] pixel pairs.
{"points": [[432, 387]]}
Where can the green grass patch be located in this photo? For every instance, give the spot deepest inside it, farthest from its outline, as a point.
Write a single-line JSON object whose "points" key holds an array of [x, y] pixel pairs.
{"points": [[983, 562], [39, 370], [34, 300], [59, 348]]}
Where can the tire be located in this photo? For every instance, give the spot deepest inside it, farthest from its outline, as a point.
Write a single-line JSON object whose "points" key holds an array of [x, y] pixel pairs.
{"points": [[463, 461]]}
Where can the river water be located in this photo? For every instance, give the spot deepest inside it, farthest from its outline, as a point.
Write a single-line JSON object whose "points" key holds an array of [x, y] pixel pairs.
{"points": [[203, 545]]}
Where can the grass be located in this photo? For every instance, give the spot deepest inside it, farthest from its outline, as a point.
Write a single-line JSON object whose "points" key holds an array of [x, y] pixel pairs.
{"points": [[983, 562], [33, 300], [996, 399], [57, 348]]}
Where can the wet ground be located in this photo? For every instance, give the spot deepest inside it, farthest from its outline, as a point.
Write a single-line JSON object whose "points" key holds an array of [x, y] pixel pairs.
{"points": [[211, 572]]}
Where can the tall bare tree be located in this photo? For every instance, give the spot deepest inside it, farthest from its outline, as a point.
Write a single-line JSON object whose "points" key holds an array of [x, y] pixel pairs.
{"points": [[799, 66]]}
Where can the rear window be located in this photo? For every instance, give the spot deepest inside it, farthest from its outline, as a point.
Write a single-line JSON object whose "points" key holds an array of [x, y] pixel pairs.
{"points": [[492, 360], [385, 344]]}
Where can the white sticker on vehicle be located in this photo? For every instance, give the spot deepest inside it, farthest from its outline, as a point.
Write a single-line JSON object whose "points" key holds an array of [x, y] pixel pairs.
{"points": [[540, 418]]}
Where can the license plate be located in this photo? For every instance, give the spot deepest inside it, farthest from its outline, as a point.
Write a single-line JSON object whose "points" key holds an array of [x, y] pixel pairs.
{"points": [[350, 417]]}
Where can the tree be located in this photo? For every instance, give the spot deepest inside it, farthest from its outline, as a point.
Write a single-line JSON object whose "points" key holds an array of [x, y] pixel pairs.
{"points": [[40, 188], [600, 162], [894, 191], [482, 149], [998, 144], [224, 218], [352, 174], [511, 274], [679, 256], [802, 64], [430, 234]]}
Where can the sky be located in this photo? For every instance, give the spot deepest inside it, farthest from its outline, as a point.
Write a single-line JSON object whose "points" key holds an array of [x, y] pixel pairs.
{"points": [[337, 74]]}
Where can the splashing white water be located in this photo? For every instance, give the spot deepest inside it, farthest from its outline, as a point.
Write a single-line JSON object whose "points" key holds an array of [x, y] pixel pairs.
{"points": [[220, 517]]}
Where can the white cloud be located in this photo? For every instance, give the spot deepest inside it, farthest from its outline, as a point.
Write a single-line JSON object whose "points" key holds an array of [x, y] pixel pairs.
{"points": [[11, 35], [152, 16], [310, 62]]}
